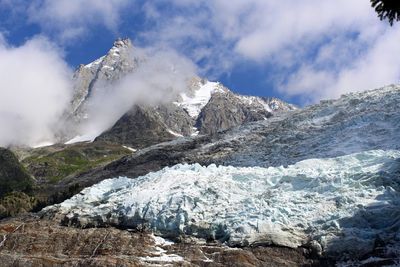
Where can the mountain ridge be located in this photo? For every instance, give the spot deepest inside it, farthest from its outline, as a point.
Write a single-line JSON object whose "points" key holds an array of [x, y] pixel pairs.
{"points": [[220, 114]]}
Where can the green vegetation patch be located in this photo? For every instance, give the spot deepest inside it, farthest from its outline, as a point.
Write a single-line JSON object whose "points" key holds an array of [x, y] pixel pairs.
{"points": [[13, 176], [15, 203], [52, 165]]}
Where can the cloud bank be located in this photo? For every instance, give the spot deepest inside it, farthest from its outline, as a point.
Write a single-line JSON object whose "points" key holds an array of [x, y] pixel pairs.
{"points": [[34, 91], [317, 49]]}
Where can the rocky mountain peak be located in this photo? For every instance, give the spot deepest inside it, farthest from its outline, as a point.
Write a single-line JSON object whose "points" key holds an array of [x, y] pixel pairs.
{"points": [[122, 43], [118, 61], [120, 52]]}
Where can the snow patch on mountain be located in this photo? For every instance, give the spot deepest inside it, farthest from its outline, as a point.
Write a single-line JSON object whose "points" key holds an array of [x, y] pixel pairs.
{"points": [[339, 205], [83, 138], [174, 133], [253, 100], [130, 148], [194, 103], [95, 63], [42, 144]]}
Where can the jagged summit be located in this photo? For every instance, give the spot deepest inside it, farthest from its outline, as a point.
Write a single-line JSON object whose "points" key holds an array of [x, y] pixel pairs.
{"points": [[118, 61], [120, 52], [122, 42]]}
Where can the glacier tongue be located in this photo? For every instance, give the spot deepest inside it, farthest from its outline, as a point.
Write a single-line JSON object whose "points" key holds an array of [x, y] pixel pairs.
{"points": [[338, 205]]}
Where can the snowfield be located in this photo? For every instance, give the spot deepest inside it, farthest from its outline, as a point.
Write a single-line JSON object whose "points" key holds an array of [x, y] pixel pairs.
{"points": [[335, 205], [195, 103]]}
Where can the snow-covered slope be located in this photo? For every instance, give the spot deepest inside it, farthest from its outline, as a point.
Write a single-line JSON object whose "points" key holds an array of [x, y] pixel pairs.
{"points": [[200, 93], [193, 104], [336, 205]]}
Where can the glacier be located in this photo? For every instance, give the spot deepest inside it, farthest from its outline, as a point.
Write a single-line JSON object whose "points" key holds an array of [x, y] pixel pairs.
{"points": [[336, 206], [355, 122]]}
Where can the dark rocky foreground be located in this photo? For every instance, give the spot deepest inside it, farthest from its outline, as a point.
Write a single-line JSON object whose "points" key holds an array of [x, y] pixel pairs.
{"points": [[31, 241]]}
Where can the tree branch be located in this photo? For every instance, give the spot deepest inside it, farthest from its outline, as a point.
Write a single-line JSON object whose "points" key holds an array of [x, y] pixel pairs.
{"points": [[6, 235], [99, 244]]}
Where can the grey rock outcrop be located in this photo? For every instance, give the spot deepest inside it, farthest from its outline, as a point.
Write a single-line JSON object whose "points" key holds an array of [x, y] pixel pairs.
{"points": [[142, 126], [225, 110]]}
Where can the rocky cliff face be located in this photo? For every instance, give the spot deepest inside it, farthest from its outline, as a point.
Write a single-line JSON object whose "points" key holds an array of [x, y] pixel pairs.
{"points": [[225, 110], [115, 64], [141, 127], [205, 107]]}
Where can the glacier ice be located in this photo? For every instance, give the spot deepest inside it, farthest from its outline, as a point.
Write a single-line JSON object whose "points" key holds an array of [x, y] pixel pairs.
{"points": [[338, 205]]}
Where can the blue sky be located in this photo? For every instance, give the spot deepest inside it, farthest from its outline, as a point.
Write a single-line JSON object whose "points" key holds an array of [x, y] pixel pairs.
{"points": [[298, 50]]}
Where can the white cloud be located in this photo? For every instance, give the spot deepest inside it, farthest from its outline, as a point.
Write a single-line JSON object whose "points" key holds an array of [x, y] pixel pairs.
{"points": [[34, 90], [258, 29], [70, 19], [320, 48], [376, 66], [267, 27]]}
